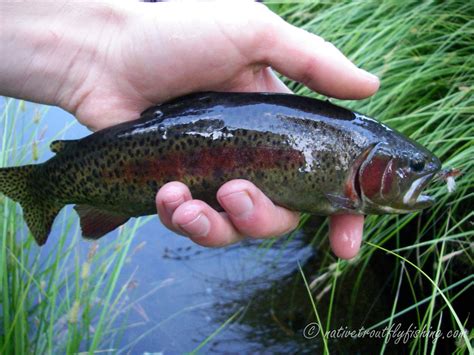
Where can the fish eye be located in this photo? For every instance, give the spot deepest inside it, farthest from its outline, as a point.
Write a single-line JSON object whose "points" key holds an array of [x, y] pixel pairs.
{"points": [[417, 165]]}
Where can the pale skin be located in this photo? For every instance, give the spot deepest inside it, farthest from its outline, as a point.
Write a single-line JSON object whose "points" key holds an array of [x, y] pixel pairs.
{"points": [[105, 63]]}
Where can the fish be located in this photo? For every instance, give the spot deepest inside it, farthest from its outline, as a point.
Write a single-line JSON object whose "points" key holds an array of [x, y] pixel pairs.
{"points": [[305, 154]]}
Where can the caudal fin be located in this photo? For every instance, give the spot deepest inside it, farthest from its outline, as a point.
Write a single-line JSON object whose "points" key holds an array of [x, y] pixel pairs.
{"points": [[39, 211]]}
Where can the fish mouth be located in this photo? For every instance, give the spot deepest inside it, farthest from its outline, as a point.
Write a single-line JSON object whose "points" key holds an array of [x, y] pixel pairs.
{"points": [[414, 197]]}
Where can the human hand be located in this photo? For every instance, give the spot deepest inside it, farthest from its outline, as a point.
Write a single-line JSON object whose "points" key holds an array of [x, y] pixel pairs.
{"points": [[130, 57]]}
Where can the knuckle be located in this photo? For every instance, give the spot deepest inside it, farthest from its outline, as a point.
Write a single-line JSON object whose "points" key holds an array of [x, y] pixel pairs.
{"points": [[265, 35], [191, 206], [235, 185], [198, 205], [308, 71], [172, 192], [290, 226], [257, 226], [270, 223], [174, 185]]}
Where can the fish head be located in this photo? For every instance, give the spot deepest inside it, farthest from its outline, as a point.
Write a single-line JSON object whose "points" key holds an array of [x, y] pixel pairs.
{"points": [[391, 177]]}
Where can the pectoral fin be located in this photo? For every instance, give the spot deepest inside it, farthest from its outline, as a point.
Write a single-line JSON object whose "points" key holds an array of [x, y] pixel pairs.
{"points": [[95, 222], [341, 202]]}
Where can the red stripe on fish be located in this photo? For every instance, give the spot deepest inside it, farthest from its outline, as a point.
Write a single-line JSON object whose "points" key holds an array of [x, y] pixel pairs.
{"points": [[217, 161]]}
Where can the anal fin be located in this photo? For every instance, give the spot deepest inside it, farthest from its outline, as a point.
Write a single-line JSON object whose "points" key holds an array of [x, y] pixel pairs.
{"points": [[96, 222]]}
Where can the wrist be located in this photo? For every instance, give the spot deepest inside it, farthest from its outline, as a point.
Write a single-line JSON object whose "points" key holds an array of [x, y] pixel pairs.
{"points": [[50, 49]]}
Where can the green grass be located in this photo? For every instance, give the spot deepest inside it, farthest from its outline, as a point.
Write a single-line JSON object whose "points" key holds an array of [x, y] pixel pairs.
{"points": [[69, 300]]}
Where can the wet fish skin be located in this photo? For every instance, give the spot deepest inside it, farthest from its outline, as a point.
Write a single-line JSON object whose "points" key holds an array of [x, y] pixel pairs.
{"points": [[305, 154]]}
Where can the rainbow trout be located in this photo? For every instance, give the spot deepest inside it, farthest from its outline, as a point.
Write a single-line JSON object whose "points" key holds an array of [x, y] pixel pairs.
{"points": [[305, 154]]}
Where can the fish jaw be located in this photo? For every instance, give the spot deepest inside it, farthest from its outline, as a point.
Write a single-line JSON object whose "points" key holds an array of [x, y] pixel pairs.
{"points": [[414, 198]]}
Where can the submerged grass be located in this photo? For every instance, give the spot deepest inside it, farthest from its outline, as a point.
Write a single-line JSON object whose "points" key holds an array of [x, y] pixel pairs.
{"points": [[67, 299]]}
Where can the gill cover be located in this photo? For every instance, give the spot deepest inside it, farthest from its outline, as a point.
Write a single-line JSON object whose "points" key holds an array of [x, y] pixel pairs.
{"points": [[377, 177]]}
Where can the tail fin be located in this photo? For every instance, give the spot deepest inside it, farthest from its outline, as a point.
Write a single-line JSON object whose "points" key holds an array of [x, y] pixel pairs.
{"points": [[39, 212]]}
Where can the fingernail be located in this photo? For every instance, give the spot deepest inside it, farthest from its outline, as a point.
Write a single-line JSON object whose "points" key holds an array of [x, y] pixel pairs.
{"points": [[238, 204], [198, 227], [370, 76]]}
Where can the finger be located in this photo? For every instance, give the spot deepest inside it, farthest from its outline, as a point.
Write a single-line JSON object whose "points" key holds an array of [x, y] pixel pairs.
{"points": [[204, 225], [168, 198], [252, 213], [345, 235], [311, 60]]}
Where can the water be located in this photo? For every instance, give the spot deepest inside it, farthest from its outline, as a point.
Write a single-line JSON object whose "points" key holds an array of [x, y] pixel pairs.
{"points": [[198, 288]]}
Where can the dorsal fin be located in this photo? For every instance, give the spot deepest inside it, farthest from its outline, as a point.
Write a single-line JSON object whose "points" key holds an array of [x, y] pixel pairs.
{"points": [[58, 146]]}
